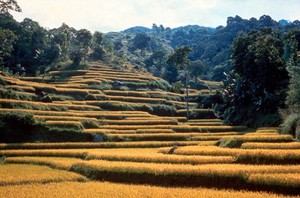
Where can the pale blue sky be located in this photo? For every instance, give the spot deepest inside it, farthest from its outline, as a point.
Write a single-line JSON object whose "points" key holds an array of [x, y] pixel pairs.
{"points": [[116, 15]]}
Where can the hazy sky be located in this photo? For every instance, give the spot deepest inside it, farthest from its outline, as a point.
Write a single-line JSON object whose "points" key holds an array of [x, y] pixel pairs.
{"points": [[116, 15]]}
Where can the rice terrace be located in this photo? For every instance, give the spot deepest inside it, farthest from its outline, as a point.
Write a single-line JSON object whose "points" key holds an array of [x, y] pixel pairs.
{"points": [[162, 112]]}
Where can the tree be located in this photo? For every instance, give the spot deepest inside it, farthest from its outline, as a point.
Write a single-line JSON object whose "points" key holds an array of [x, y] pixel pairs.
{"points": [[62, 37], [180, 59], [257, 87], [7, 39], [80, 47], [6, 5], [98, 50], [140, 41]]}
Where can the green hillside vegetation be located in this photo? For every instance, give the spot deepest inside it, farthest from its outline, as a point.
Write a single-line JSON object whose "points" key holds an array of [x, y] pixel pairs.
{"points": [[81, 112]]}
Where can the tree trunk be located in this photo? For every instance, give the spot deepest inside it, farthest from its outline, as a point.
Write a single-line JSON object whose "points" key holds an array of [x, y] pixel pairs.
{"points": [[187, 93]]}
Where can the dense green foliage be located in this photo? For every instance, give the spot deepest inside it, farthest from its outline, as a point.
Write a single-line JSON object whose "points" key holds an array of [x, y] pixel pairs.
{"points": [[29, 49], [291, 115], [256, 88], [211, 46]]}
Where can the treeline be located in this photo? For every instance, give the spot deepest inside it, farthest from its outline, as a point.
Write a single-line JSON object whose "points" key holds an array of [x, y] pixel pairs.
{"points": [[211, 47], [27, 48]]}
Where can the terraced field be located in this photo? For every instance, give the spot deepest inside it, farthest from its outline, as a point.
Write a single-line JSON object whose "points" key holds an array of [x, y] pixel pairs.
{"points": [[140, 145]]}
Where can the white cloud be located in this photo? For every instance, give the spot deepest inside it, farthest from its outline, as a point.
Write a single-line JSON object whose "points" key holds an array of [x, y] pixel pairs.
{"points": [[116, 15]]}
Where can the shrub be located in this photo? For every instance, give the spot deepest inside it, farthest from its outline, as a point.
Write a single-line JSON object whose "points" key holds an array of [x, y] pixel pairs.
{"points": [[11, 94], [163, 110], [160, 84], [291, 126], [208, 101], [230, 143], [18, 127], [89, 124]]}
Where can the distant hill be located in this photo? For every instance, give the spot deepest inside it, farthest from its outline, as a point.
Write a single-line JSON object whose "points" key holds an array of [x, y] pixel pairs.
{"points": [[137, 29], [211, 46]]}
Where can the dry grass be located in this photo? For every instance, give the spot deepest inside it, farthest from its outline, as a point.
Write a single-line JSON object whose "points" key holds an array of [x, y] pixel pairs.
{"points": [[13, 174]]}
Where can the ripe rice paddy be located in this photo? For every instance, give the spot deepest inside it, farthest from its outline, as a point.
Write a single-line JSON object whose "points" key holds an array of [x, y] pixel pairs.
{"points": [[166, 150]]}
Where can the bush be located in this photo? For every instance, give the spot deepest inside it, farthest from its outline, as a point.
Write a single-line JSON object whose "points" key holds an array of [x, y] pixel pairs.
{"points": [[208, 101], [160, 84], [23, 127], [18, 127], [89, 124], [291, 126], [163, 110], [229, 143], [11, 94]]}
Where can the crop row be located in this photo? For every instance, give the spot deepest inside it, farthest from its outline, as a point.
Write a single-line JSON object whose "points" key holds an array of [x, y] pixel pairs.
{"points": [[213, 175], [107, 189], [256, 156], [13, 174], [89, 145]]}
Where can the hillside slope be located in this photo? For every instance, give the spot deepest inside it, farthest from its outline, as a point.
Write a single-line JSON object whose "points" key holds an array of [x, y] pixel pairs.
{"points": [[107, 103]]}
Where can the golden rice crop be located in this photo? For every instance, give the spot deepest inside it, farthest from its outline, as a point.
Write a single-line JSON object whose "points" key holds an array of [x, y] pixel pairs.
{"points": [[134, 127], [18, 87], [65, 124], [40, 112], [42, 86], [63, 118], [186, 169], [208, 82], [188, 128], [251, 138], [137, 99], [164, 93], [204, 120], [70, 85], [206, 124], [117, 190], [77, 91], [265, 145], [70, 72], [86, 145], [151, 136], [12, 174], [243, 155], [141, 122], [150, 155], [126, 93], [267, 130], [155, 131], [38, 104], [108, 131], [276, 179], [55, 162], [76, 153], [120, 78]]}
